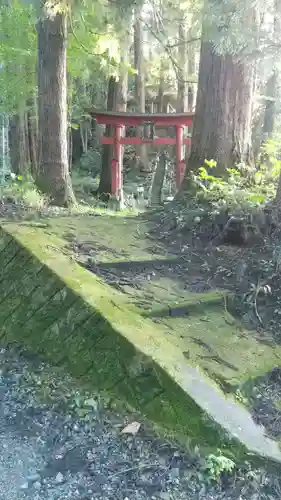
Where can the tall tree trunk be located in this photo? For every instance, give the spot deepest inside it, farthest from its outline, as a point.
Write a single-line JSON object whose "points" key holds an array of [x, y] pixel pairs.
{"points": [[117, 97], [161, 88], [32, 123], [270, 105], [181, 97], [182, 66], [272, 82], [104, 188], [222, 125], [19, 142], [141, 150], [271, 113], [53, 176], [5, 156], [122, 97], [191, 98]]}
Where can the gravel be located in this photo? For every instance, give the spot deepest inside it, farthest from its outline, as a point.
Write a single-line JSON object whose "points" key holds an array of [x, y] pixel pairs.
{"points": [[265, 402], [59, 442]]}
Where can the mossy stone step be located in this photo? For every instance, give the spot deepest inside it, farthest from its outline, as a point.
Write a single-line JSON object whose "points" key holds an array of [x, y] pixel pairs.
{"points": [[195, 303], [72, 317]]}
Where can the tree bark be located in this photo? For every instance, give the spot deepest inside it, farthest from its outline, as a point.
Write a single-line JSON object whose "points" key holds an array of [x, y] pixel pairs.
{"points": [[182, 59], [191, 73], [32, 123], [5, 155], [161, 89], [141, 150], [272, 83], [222, 125], [269, 118], [53, 176], [182, 67], [116, 101], [19, 142], [270, 106], [104, 188]]}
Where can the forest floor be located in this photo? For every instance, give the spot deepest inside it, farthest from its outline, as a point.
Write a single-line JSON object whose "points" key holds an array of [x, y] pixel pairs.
{"points": [[168, 266]]}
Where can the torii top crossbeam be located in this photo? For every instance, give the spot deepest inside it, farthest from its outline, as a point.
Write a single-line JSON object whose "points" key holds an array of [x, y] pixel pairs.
{"points": [[131, 119]]}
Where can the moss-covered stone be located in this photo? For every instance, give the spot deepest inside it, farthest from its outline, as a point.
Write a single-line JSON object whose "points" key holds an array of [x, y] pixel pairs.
{"points": [[60, 310]]}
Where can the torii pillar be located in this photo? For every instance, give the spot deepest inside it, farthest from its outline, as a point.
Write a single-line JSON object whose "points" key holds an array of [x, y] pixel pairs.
{"points": [[180, 164]]}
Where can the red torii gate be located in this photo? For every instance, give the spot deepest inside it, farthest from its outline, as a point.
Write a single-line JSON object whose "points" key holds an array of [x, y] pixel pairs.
{"points": [[119, 120]]}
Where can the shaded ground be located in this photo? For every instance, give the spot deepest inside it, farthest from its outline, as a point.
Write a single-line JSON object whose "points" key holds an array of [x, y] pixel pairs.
{"points": [[243, 270], [264, 395], [60, 443]]}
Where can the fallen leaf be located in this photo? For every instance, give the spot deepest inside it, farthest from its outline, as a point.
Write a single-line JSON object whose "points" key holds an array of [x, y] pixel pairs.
{"points": [[92, 403], [132, 428]]}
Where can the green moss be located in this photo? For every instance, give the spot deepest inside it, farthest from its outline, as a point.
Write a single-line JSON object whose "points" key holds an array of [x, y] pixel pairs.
{"points": [[59, 309], [224, 350], [211, 339], [196, 304]]}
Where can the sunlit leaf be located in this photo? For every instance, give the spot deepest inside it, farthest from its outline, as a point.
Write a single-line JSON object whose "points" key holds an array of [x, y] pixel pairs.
{"points": [[92, 403], [132, 428]]}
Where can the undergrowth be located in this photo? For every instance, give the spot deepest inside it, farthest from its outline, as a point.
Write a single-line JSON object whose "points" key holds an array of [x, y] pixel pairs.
{"points": [[21, 192], [244, 187], [22, 189], [240, 191]]}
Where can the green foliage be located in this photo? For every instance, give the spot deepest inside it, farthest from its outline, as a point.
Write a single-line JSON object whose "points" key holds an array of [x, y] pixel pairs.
{"points": [[245, 187], [90, 163], [216, 465], [95, 31], [85, 408], [22, 189], [234, 29], [17, 54]]}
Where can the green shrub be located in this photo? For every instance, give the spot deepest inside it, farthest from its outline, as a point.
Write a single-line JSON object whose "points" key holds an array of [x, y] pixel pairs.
{"points": [[216, 465], [22, 189], [244, 187]]}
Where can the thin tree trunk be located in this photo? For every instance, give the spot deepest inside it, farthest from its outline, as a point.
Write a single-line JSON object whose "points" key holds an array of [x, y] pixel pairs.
{"points": [[270, 106], [122, 97], [33, 136], [222, 125], [272, 83], [104, 188], [141, 150], [70, 148], [23, 146], [26, 140], [161, 88], [182, 66], [19, 142], [181, 97], [13, 144], [271, 114], [191, 73], [53, 176], [116, 101]]}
